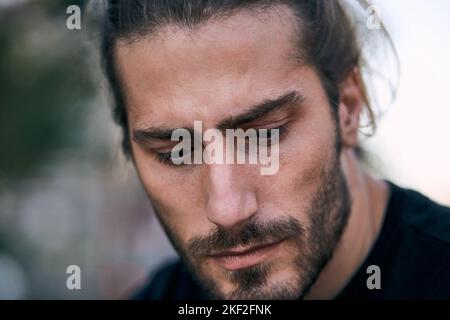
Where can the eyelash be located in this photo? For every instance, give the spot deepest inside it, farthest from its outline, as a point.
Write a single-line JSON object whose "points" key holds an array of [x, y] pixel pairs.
{"points": [[165, 157], [282, 131]]}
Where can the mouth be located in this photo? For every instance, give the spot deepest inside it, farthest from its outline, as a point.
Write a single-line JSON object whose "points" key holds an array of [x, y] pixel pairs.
{"points": [[244, 258]]}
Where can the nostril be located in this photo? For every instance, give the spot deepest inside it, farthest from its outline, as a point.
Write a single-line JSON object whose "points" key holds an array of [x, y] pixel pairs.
{"points": [[229, 194]]}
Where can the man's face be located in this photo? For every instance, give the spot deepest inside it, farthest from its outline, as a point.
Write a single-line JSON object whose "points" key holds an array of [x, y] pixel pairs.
{"points": [[243, 234]]}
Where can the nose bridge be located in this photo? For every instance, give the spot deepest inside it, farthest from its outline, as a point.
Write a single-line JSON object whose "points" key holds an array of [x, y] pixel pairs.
{"points": [[231, 199]]}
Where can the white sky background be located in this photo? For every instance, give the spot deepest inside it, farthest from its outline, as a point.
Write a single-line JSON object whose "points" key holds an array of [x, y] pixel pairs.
{"points": [[412, 143]]}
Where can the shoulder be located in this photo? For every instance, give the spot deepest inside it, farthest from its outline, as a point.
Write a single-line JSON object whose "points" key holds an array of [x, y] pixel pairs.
{"points": [[171, 281], [426, 217], [423, 254]]}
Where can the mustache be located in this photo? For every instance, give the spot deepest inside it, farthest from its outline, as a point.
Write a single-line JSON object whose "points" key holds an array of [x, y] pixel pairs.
{"points": [[253, 233]]}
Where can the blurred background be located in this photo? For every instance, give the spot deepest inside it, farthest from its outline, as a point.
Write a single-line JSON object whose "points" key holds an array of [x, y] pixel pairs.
{"points": [[67, 196]]}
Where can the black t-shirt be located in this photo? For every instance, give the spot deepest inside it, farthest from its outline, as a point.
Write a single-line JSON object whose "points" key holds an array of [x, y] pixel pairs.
{"points": [[412, 252]]}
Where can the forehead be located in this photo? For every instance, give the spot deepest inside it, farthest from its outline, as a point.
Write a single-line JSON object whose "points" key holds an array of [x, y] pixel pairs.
{"points": [[179, 75]]}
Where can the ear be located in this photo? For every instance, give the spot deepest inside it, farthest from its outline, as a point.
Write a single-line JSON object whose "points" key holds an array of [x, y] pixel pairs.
{"points": [[350, 106]]}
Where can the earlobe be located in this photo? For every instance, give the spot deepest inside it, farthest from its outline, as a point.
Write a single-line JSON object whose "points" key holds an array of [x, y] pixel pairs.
{"points": [[350, 106]]}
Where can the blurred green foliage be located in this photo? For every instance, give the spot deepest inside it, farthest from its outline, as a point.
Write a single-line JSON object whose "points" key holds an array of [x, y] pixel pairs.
{"points": [[44, 85]]}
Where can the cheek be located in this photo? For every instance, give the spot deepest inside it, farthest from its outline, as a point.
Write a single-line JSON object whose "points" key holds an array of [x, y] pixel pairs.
{"points": [[304, 157], [175, 198]]}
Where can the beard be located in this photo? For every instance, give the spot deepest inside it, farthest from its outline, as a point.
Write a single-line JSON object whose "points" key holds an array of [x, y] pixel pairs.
{"points": [[328, 213]]}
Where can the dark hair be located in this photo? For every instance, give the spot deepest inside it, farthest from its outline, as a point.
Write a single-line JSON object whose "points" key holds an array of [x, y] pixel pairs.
{"points": [[329, 39]]}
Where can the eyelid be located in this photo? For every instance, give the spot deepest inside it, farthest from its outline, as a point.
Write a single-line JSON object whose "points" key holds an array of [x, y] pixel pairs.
{"points": [[270, 124], [161, 146], [165, 157], [282, 131], [280, 125]]}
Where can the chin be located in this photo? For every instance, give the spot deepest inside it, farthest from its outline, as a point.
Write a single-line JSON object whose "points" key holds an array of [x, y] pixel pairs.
{"points": [[275, 286]]}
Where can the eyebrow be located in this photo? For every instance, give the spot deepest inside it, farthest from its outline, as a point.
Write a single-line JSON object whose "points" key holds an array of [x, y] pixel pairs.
{"points": [[148, 134], [262, 109], [255, 112]]}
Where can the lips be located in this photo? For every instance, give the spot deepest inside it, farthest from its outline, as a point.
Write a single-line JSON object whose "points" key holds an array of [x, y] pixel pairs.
{"points": [[244, 258]]}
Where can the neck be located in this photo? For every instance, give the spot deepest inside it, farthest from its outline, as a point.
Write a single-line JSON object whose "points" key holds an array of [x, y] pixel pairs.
{"points": [[369, 200]]}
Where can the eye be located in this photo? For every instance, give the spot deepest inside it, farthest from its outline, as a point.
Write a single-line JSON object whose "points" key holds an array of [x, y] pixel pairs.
{"points": [[164, 158], [268, 138], [167, 159], [265, 137], [272, 133]]}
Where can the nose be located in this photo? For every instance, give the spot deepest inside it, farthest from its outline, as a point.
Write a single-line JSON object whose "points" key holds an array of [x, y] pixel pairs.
{"points": [[231, 200]]}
